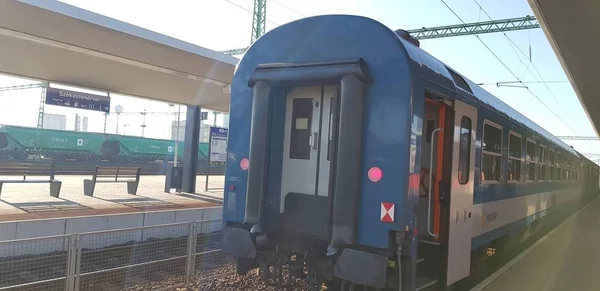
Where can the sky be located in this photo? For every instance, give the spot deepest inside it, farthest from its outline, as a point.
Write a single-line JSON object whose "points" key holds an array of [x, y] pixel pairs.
{"points": [[226, 24]]}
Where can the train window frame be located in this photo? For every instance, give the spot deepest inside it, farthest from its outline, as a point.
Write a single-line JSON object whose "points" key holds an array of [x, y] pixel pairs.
{"points": [[568, 169], [513, 158], [298, 149], [562, 166], [570, 165], [551, 153], [558, 166], [464, 153], [573, 169], [484, 152], [543, 163], [565, 167], [534, 160]]}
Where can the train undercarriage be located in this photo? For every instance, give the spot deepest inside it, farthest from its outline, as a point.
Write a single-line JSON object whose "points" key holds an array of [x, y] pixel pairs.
{"points": [[303, 264], [306, 264]]}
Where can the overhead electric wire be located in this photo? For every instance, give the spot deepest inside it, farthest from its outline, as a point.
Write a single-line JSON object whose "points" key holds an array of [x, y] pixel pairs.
{"points": [[289, 8], [507, 68], [531, 63], [524, 82], [282, 11], [247, 10]]}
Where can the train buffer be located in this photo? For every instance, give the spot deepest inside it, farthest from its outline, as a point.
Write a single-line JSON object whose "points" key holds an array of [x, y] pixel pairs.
{"points": [[29, 169], [129, 175]]}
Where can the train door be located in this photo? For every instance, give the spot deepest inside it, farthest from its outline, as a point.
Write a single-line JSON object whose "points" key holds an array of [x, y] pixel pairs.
{"points": [[307, 155], [435, 151], [432, 159], [461, 193]]}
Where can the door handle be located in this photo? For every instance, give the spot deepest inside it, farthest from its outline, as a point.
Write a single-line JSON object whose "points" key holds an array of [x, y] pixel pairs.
{"points": [[430, 181], [314, 138]]}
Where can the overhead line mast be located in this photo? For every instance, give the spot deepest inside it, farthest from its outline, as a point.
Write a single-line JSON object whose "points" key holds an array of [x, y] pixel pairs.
{"points": [[483, 27], [259, 19], [502, 25]]}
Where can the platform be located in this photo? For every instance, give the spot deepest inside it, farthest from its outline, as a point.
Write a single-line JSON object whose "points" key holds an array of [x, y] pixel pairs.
{"points": [[33, 201], [567, 259]]}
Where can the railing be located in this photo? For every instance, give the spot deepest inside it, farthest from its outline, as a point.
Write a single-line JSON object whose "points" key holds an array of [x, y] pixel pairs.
{"points": [[141, 258], [151, 168]]}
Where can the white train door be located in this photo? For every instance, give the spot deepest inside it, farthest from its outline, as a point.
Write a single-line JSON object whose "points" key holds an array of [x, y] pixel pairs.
{"points": [[461, 192], [307, 149]]}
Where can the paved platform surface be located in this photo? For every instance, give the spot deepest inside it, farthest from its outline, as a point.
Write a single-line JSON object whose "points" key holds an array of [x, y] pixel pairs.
{"points": [[568, 259], [33, 201]]}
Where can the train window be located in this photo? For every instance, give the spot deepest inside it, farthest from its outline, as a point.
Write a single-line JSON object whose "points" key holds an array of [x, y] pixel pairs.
{"points": [[562, 166], [558, 169], [492, 152], [570, 171], [514, 157], [464, 152], [530, 161], [543, 160], [460, 81], [551, 165], [568, 167], [560, 172], [429, 127], [565, 167], [302, 111]]}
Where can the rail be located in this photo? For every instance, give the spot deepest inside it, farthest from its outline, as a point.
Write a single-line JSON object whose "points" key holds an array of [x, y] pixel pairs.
{"points": [[170, 256]]}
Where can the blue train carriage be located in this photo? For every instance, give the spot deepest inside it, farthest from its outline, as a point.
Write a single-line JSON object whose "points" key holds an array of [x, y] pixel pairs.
{"points": [[360, 160]]}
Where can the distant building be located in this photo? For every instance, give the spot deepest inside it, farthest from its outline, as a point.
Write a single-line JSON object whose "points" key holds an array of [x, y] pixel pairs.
{"points": [[181, 130], [225, 120], [84, 125], [77, 122], [204, 131], [55, 121]]}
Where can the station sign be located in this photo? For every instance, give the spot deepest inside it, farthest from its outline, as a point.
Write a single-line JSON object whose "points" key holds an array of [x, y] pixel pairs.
{"points": [[79, 100], [218, 144]]}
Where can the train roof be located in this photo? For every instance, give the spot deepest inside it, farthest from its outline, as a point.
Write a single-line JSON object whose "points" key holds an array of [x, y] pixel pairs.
{"points": [[429, 67]]}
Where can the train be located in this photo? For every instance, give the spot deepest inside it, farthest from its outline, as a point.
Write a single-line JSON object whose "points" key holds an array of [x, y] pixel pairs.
{"points": [[359, 161], [21, 143]]}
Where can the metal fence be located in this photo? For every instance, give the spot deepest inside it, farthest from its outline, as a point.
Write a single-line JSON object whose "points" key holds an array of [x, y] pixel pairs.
{"points": [[141, 258]]}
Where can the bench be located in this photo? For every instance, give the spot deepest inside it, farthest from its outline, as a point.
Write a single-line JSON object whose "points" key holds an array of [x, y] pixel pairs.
{"points": [[27, 169], [129, 175]]}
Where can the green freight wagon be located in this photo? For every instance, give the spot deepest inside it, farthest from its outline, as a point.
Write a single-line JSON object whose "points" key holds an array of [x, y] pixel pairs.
{"points": [[18, 142], [52, 144], [130, 148], [138, 149]]}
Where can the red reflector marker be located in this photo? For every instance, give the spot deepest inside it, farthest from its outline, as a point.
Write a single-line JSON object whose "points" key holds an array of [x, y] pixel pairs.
{"points": [[375, 174], [387, 212], [244, 164]]}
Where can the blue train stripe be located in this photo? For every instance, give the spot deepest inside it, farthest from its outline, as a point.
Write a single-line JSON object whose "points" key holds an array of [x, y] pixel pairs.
{"points": [[485, 193], [516, 226]]}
